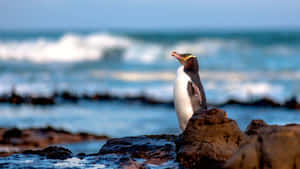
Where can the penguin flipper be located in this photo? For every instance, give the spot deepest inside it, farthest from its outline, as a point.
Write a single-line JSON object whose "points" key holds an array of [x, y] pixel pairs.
{"points": [[195, 96], [193, 90]]}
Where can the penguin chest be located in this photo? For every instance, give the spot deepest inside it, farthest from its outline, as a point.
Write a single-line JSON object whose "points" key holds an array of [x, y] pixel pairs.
{"points": [[183, 105]]}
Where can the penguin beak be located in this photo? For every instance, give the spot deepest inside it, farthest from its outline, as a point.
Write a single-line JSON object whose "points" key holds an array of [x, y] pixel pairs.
{"points": [[177, 56]]}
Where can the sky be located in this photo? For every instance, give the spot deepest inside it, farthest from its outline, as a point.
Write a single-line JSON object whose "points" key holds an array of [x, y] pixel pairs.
{"points": [[149, 14]]}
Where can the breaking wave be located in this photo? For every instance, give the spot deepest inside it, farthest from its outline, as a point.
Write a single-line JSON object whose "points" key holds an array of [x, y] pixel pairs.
{"points": [[76, 48], [69, 48]]}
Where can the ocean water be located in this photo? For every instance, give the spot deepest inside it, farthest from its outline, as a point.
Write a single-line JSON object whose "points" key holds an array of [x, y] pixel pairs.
{"points": [[240, 65]]}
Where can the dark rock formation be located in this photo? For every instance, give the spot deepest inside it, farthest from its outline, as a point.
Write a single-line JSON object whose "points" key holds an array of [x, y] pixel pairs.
{"points": [[209, 140], [17, 140], [52, 152], [42, 100], [152, 149], [292, 104], [269, 146], [67, 96], [12, 133]]}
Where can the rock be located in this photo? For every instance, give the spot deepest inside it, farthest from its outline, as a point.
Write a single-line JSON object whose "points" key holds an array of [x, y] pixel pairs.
{"points": [[254, 126], [292, 104], [52, 152], [69, 96], [81, 155], [266, 102], [104, 96], [11, 136], [209, 140], [12, 133], [131, 164], [42, 100], [276, 147], [138, 152], [16, 99], [16, 140]]}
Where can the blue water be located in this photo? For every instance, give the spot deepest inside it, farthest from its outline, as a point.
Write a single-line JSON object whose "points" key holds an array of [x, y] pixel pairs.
{"points": [[240, 65], [243, 65]]}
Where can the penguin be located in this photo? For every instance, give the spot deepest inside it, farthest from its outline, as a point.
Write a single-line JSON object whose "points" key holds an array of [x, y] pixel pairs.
{"points": [[189, 95]]}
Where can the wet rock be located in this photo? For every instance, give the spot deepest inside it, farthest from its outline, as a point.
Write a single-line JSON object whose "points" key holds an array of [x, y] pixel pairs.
{"points": [[16, 99], [52, 152], [81, 155], [137, 152], [292, 104], [263, 102], [12, 133], [104, 96], [42, 100], [209, 140], [4, 99], [16, 140], [276, 147], [68, 96], [131, 164], [266, 102]]}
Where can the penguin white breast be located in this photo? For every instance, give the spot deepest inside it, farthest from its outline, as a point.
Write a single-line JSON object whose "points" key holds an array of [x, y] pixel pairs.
{"points": [[183, 105]]}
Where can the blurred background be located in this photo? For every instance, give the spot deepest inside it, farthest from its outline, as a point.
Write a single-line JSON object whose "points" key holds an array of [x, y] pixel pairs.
{"points": [[247, 50]]}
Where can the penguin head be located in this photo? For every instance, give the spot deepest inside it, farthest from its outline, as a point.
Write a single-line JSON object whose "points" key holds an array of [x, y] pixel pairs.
{"points": [[188, 60]]}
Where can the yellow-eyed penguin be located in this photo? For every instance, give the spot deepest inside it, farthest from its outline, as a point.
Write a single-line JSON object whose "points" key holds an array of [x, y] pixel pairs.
{"points": [[189, 94]]}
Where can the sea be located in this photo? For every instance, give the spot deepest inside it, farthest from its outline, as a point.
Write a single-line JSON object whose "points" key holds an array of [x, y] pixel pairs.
{"points": [[240, 65]]}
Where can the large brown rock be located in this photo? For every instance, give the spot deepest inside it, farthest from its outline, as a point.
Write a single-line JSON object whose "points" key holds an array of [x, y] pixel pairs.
{"points": [[209, 140], [276, 147]]}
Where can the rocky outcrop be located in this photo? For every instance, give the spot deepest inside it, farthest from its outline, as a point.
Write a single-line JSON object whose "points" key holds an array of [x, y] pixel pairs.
{"points": [[209, 140], [69, 97], [138, 152], [15, 140], [269, 146], [52, 152]]}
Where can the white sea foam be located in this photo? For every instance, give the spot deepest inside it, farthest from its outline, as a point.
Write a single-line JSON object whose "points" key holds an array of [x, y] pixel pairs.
{"points": [[76, 162], [250, 91], [144, 53], [69, 48], [206, 75], [77, 48], [201, 47], [134, 76]]}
